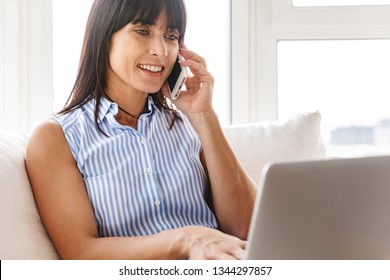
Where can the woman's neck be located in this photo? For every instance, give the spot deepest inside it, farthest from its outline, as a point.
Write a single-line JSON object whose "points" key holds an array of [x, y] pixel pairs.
{"points": [[130, 107]]}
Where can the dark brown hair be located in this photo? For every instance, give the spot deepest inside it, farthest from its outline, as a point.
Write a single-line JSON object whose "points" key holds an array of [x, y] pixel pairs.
{"points": [[107, 17]]}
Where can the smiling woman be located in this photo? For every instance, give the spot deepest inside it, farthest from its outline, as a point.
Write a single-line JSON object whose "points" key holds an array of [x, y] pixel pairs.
{"points": [[148, 177], [214, 46], [132, 66], [123, 51]]}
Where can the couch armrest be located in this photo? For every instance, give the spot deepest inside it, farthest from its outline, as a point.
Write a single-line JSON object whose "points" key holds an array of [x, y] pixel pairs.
{"points": [[22, 235]]}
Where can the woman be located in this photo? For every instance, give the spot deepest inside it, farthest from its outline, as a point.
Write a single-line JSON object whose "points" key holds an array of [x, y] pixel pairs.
{"points": [[119, 173]]}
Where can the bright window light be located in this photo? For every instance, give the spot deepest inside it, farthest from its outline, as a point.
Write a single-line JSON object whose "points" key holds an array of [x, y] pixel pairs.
{"points": [[347, 81], [69, 20]]}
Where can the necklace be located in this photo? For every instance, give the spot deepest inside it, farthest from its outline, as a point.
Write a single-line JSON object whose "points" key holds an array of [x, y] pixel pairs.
{"points": [[120, 108]]}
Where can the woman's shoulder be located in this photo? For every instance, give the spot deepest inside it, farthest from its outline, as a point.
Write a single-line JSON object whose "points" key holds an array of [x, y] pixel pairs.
{"points": [[45, 141], [69, 119], [48, 130]]}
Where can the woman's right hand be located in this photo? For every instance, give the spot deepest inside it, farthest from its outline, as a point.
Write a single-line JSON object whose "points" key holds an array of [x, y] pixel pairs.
{"points": [[210, 244]]}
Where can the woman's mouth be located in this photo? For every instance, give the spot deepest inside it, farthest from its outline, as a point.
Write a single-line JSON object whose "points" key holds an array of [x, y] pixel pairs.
{"points": [[151, 68]]}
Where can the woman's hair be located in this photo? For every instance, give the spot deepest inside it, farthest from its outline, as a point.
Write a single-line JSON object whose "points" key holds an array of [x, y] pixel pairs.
{"points": [[107, 17]]}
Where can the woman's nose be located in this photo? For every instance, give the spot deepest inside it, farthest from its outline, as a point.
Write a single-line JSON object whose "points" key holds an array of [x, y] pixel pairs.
{"points": [[158, 47]]}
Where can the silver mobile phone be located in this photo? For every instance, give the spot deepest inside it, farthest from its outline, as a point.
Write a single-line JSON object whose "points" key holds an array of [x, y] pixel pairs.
{"points": [[177, 78]]}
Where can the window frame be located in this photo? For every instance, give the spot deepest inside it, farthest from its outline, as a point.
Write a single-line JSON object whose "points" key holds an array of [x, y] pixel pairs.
{"points": [[255, 72]]}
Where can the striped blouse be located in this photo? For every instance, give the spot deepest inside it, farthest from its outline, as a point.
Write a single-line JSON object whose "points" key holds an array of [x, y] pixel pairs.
{"points": [[143, 181]]}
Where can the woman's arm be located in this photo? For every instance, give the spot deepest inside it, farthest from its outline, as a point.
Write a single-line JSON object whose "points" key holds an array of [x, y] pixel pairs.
{"points": [[233, 192], [68, 217]]}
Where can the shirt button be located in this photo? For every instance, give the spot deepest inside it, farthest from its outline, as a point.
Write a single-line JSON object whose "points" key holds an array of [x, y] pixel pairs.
{"points": [[157, 202], [148, 171], [143, 141]]}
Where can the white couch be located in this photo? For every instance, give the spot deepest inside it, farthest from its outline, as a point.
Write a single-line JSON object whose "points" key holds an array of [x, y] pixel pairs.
{"points": [[22, 235]]}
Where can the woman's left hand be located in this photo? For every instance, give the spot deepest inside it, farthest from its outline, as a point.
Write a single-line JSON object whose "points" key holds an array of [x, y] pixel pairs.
{"points": [[197, 98]]}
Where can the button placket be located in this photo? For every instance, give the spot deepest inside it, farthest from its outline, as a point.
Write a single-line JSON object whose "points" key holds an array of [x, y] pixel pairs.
{"points": [[144, 130], [148, 171]]}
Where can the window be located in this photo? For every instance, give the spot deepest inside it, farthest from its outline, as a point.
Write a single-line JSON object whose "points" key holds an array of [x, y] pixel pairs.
{"points": [[209, 38], [334, 60], [347, 81]]}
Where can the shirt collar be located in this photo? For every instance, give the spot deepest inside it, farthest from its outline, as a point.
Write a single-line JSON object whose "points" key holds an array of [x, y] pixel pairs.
{"points": [[151, 106], [107, 107]]}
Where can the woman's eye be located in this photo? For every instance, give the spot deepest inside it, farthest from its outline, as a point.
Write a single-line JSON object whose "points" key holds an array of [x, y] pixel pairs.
{"points": [[142, 32], [172, 37]]}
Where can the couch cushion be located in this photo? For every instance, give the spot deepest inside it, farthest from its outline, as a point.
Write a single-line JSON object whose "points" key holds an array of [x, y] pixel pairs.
{"points": [[22, 235], [257, 144]]}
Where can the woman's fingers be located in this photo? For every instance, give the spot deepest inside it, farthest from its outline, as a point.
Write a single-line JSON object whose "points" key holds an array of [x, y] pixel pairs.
{"points": [[215, 245], [196, 68], [190, 55]]}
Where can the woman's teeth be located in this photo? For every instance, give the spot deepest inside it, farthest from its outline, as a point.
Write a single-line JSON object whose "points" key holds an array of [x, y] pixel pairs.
{"points": [[151, 68]]}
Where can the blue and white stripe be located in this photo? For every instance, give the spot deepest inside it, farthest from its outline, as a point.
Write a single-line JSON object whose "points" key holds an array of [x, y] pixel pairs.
{"points": [[143, 181]]}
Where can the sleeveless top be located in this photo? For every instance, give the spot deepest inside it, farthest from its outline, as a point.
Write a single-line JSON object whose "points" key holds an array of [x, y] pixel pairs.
{"points": [[139, 181]]}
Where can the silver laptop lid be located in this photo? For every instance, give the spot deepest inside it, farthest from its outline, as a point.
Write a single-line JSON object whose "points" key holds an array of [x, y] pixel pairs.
{"points": [[323, 209]]}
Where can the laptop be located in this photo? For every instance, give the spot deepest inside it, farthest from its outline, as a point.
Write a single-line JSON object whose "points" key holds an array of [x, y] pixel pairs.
{"points": [[328, 209]]}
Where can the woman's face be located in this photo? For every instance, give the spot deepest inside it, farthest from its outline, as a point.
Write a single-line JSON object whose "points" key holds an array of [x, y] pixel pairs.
{"points": [[142, 56]]}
